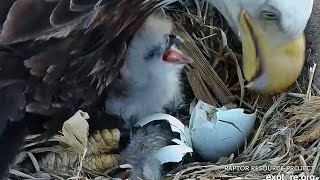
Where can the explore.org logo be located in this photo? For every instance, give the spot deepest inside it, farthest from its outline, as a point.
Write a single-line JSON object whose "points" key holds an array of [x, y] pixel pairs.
{"points": [[290, 177], [274, 171]]}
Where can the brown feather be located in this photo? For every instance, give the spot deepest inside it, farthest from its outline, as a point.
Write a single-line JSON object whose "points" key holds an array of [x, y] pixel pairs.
{"points": [[26, 19], [5, 7], [80, 5], [62, 14]]}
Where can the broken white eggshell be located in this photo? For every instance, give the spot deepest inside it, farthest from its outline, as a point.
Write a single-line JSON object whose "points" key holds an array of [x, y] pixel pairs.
{"points": [[217, 132], [175, 124], [171, 153]]}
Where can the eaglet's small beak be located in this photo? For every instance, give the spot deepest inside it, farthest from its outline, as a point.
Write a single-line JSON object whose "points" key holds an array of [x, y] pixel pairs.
{"points": [[269, 68], [173, 55]]}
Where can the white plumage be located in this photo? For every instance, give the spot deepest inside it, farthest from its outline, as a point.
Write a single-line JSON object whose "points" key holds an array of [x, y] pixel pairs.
{"points": [[150, 82]]}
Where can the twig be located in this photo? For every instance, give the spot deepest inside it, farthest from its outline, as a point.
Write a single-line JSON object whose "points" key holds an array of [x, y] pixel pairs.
{"points": [[311, 76]]}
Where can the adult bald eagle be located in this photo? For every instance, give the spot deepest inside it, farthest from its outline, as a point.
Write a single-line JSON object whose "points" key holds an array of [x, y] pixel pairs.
{"points": [[57, 56]]}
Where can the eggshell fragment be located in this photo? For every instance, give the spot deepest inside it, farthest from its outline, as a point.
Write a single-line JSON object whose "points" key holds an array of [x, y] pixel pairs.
{"points": [[171, 153], [176, 125], [219, 132]]}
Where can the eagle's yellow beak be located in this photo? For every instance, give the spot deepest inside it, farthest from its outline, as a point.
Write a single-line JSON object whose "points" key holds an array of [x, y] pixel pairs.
{"points": [[268, 67]]}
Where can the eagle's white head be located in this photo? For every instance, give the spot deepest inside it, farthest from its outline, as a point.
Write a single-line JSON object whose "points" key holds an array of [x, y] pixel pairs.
{"points": [[273, 43]]}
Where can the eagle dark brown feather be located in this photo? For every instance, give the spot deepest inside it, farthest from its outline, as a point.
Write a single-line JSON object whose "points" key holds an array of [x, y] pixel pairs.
{"points": [[79, 5], [62, 14], [5, 7], [58, 56]]}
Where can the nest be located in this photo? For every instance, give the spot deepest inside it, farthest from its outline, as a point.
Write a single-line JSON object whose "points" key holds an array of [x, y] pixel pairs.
{"points": [[285, 140]]}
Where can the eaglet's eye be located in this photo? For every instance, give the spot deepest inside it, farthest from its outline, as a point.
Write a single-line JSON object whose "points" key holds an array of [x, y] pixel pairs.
{"points": [[152, 54]]}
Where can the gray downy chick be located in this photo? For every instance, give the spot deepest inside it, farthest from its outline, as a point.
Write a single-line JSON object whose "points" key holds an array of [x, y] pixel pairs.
{"points": [[150, 76], [140, 152]]}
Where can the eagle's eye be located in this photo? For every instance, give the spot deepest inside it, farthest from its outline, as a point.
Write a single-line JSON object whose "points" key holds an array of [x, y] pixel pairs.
{"points": [[268, 15]]}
